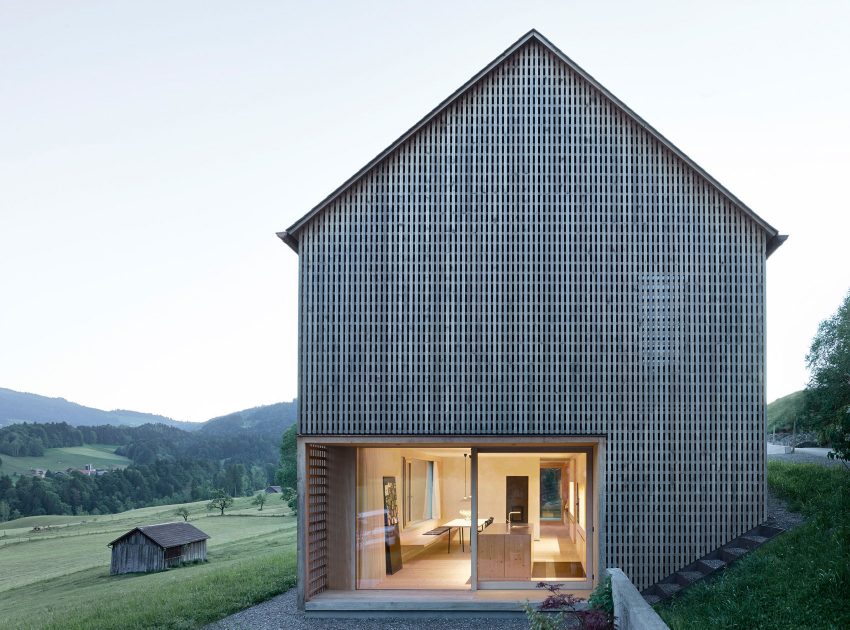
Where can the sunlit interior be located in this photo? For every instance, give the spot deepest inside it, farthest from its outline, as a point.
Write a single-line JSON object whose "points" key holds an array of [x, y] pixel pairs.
{"points": [[414, 517]]}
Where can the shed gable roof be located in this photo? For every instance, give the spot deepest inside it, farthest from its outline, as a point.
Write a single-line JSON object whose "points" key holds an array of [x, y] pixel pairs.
{"points": [[168, 534], [289, 236]]}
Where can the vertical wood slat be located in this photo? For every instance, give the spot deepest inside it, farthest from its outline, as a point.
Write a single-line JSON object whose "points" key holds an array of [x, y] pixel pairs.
{"points": [[533, 261]]}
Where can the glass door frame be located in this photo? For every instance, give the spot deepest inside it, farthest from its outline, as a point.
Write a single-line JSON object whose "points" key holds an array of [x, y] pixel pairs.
{"points": [[590, 508]]}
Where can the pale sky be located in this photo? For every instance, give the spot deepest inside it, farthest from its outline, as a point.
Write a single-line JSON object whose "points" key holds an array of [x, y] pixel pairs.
{"points": [[149, 151]]}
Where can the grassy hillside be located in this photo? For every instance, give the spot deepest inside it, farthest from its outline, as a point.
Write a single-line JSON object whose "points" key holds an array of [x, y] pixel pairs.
{"points": [[56, 459], [799, 580], [59, 577], [781, 412]]}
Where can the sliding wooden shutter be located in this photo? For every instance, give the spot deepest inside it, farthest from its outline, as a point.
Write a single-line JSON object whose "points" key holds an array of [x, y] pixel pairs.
{"points": [[317, 520]]}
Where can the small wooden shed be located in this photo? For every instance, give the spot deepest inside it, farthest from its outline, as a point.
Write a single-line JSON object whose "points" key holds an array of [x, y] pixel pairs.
{"points": [[157, 547]]}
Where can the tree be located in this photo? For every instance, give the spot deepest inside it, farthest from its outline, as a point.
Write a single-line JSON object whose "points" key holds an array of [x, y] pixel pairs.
{"points": [[287, 474], [258, 478], [220, 501], [290, 496], [828, 391], [259, 499], [182, 511], [234, 479]]}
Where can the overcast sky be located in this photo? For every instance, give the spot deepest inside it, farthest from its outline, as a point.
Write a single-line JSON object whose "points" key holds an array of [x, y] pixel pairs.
{"points": [[150, 150]]}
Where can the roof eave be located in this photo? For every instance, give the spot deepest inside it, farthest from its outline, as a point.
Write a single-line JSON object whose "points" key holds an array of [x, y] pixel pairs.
{"points": [[775, 243], [290, 240]]}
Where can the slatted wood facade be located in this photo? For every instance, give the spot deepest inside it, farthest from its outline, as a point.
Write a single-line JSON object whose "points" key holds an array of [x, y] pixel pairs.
{"points": [[533, 259]]}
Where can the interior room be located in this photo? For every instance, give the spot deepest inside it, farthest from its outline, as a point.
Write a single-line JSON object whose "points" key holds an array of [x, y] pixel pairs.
{"points": [[539, 501], [414, 507]]}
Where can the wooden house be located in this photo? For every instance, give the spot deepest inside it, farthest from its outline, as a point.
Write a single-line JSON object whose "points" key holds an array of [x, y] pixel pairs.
{"points": [[157, 547], [531, 346]]}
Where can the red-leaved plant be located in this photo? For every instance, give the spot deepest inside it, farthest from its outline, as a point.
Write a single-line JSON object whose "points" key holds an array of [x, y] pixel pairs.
{"points": [[558, 611]]}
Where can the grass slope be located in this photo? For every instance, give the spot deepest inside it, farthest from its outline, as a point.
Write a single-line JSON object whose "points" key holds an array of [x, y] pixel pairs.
{"points": [[801, 579], [782, 411], [59, 577], [58, 459]]}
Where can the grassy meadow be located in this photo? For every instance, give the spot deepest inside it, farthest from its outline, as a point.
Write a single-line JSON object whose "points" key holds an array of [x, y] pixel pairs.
{"points": [[59, 459], [801, 579], [58, 577]]}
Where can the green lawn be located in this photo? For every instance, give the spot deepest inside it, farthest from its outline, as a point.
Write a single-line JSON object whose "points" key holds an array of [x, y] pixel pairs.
{"points": [[59, 577], [801, 579], [58, 459]]}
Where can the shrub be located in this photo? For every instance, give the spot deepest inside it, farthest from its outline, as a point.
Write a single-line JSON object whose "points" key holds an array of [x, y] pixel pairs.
{"points": [[558, 611], [602, 598]]}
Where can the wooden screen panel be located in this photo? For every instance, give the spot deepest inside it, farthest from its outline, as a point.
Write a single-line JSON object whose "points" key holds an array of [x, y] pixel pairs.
{"points": [[534, 262], [317, 519]]}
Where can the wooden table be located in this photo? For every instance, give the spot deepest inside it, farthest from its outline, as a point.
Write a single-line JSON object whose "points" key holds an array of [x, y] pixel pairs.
{"points": [[460, 523]]}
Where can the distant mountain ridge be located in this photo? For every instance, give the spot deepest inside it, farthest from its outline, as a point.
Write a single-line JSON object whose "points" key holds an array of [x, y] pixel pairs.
{"points": [[16, 407], [25, 407]]}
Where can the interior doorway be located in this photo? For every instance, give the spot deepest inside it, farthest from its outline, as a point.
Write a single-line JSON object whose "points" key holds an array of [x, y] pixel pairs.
{"points": [[552, 499]]}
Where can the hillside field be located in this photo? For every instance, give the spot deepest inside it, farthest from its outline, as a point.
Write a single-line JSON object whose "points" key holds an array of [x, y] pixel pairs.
{"points": [[59, 577], [59, 459]]}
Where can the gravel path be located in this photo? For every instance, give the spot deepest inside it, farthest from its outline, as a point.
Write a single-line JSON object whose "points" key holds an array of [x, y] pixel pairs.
{"points": [[281, 612]]}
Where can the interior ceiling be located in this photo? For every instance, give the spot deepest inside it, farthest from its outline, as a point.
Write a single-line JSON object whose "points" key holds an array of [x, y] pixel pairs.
{"points": [[459, 452]]}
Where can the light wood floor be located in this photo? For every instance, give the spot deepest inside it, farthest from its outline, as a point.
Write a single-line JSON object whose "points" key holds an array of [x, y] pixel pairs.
{"points": [[554, 544], [434, 568]]}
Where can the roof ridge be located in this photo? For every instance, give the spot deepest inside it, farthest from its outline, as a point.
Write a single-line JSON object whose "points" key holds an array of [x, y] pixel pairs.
{"points": [[288, 235]]}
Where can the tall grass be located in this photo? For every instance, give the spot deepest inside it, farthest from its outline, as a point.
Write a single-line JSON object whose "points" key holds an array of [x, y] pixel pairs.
{"points": [[188, 597], [799, 580]]}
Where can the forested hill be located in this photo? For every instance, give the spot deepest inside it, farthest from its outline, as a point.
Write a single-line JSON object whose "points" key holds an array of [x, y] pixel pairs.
{"points": [[270, 420], [144, 445], [169, 465], [23, 407]]}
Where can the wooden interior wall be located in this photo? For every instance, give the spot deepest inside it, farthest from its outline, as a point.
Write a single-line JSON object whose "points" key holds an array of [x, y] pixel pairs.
{"points": [[317, 520], [342, 522], [534, 262]]}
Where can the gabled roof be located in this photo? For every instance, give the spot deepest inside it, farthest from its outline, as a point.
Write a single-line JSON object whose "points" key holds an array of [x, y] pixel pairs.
{"points": [[289, 236], [168, 534]]}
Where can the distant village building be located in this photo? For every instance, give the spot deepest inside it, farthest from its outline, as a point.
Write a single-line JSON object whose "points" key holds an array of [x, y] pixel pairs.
{"points": [[38, 472], [157, 547], [273, 490]]}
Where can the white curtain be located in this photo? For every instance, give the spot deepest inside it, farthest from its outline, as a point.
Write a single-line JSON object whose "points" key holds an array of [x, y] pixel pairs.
{"points": [[436, 497]]}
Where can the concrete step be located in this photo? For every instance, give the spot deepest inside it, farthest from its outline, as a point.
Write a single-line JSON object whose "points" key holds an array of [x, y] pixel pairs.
{"points": [[730, 554], [751, 541], [652, 599], [686, 578], [667, 589], [712, 564]]}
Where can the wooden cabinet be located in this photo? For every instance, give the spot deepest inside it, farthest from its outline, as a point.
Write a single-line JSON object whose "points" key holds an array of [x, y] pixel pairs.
{"points": [[504, 552]]}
